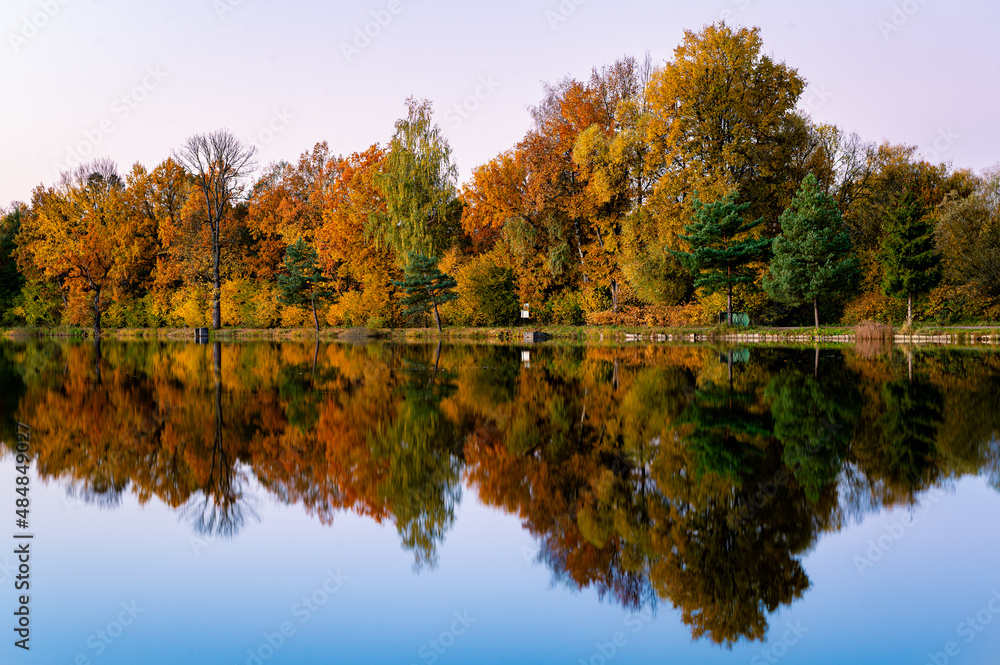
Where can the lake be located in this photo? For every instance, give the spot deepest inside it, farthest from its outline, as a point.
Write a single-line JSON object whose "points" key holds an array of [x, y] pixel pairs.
{"points": [[391, 503]]}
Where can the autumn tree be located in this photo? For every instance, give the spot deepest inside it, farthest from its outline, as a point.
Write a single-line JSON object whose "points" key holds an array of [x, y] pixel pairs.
{"points": [[811, 255], [76, 233], [967, 235], [303, 283], [912, 264], [287, 203], [611, 156], [419, 187], [621, 174], [360, 270], [883, 176], [550, 240], [718, 110], [220, 165], [721, 247], [494, 196], [425, 287]]}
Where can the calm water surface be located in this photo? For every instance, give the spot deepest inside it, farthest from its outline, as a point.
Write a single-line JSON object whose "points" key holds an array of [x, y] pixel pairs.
{"points": [[265, 503]]}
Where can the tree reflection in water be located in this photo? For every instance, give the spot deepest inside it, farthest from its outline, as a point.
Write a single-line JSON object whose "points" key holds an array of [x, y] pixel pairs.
{"points": [[687, 475]]}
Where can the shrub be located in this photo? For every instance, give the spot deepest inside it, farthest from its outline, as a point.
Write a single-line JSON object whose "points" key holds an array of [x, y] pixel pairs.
{"points": [[664, 316], [676, 316], [356, 308], [874, 306], [191, 306], [564, 308], [625, 316], [39, 304], [295, 316], [249, 303], [596, 299], [487, 295], [948, 304]]}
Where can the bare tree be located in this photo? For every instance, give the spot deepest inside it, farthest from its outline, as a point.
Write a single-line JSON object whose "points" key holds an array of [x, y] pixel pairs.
{"points": [[221, 166]]}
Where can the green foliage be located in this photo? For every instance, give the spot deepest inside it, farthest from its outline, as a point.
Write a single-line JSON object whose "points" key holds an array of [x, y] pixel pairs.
{"points": [[814, 420], [11, 280], [425, 287], [39, 304], [725, 427], [911, 262], [910, 422], [253, 304], [131, 313], [811, 255], [721, 246], [968, 236], [419, 186], [303, 283], [488, 294], [564, 308]]}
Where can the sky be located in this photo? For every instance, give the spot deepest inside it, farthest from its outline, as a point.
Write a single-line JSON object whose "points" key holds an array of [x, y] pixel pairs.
{"points": [[131, 80]]}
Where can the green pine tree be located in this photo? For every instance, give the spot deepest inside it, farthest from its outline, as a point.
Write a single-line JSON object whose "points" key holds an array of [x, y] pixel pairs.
{"points": [[811, 255], [721, 248], [911, 262], [425, 287], [304, 282]]}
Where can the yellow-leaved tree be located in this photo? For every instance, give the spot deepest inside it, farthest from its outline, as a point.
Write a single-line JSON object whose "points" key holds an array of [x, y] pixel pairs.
{"points": [[75, 233]]}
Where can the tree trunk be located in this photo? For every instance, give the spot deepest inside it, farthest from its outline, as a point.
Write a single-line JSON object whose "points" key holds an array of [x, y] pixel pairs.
{"points": [[816, 313], [909, 310], [614, 296], [437, 316], [729, 306], [97, 314], [216, 282], [315, 318]]}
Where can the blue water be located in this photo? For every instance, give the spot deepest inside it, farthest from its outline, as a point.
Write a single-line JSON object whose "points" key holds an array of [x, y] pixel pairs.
{"points": [[210, 602]]}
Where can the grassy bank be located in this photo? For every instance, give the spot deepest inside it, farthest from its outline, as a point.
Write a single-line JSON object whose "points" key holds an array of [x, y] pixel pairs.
{"points": [[579, 334]]}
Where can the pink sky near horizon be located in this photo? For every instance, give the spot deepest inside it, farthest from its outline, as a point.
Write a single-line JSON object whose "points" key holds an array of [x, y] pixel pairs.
{"points": [[130, 81]]}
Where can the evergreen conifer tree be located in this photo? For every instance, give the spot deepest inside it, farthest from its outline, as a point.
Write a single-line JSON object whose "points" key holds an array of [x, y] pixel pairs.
{"points": [[721, 247], [910, 259], [425, 287], [304, 282], [811, 255]]}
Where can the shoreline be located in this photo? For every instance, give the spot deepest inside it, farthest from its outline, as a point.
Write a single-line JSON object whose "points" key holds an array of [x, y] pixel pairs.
{"points": [[833, 335]]}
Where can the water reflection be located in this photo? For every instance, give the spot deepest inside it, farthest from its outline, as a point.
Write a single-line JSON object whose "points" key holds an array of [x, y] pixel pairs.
{"points": [[686, 475]]}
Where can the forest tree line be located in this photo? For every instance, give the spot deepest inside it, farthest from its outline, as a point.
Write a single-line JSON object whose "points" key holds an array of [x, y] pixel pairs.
{"points": [[612, 209]]}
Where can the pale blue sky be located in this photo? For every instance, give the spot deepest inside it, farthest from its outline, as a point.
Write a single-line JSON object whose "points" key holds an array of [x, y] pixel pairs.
{"points": [[190, 66]]}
